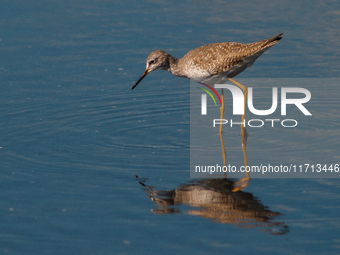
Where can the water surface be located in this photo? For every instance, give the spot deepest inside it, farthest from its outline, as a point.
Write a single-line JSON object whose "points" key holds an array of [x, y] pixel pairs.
{"points": [[74, 136]]}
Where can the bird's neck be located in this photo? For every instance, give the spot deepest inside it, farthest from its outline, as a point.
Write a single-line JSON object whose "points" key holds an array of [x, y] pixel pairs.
{"points": [[173, 66]]}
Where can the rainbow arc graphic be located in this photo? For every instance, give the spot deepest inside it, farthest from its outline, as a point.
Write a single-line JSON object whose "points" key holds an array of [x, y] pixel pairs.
{"points": [[204, 98]]}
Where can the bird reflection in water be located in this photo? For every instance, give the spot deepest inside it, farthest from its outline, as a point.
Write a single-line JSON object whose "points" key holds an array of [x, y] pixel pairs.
{"points": [[215, 199]]}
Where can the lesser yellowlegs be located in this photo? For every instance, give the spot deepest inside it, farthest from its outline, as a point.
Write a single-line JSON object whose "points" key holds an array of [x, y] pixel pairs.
{"points": [[211, 64]]}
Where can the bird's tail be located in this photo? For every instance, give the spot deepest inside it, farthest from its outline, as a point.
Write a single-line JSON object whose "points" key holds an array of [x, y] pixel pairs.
{"points": [[262, 46], [271, 41]]}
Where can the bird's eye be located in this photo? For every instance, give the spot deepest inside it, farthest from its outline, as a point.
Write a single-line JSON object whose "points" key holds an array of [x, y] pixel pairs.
{"points": [[151, 62]]}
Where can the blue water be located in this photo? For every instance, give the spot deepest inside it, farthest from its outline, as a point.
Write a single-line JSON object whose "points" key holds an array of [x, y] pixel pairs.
{"points": [[74, 136]]}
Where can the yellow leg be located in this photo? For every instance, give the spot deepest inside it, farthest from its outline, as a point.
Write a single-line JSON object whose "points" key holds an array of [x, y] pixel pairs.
{"points": [[245, 93], [243, 182], [221, 110], [224, 155]]}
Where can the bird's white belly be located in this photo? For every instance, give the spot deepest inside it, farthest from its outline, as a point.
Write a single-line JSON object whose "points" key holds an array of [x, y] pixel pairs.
{"points": [[196, 73]]}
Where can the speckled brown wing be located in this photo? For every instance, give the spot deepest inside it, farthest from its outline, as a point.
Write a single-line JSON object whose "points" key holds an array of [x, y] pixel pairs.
{"points": [[214, 58], [225, 60]]}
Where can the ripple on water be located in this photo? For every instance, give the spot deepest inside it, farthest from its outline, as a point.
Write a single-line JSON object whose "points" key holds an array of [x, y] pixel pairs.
{"points": [[73, 126]]}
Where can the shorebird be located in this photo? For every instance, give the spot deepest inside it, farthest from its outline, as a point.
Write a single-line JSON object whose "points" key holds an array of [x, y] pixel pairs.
{"points": [[211, 63]]}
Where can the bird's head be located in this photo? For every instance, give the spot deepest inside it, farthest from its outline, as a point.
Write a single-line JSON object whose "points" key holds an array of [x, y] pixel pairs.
{"points": [[157, 60]]}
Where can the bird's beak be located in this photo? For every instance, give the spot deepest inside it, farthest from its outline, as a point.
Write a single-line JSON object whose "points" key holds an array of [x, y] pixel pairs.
{"points": [[141, 78]]}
